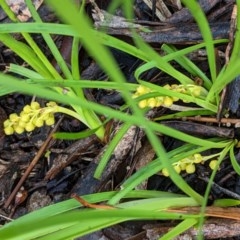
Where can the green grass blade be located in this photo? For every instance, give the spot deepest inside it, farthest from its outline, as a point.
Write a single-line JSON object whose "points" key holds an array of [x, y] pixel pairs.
{"points": [[180, 228], [25, 52], [234, 161], [203, 25], [186, 63], [50, 43], [112, 145]]}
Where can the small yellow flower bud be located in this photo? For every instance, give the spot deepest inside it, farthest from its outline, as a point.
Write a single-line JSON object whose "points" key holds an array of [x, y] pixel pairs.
{"points": [[142, 90], [195, 91], [142, 103], [51, 104], [45, 116], [152, 102], [183, 166], [8, 130], [21, 124], [167, 101], [38, 122], [213, 164], [167, 86], [29, 127], [165, 172], [27, 109], [50, 121], [175, 99], [197, 158], [177, 168], [13, 117], [25, 117], [35, 105], [19, 129], [6, 123], [190, 168]]}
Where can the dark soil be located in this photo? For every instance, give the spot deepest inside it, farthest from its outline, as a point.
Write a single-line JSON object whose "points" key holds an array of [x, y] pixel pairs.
{"points": [[70, 165]]}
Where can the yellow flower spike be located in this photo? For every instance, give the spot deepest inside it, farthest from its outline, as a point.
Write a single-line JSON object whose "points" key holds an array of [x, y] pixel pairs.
{"points": [[142, 103], [190, 168], [213, 164], [165, 172], [8, 130], [167, 101], [152, 102], [197, 158]]}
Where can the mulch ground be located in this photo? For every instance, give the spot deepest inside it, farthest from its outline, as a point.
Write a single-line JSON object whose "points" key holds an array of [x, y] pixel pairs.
{"points": [[70, 165]]}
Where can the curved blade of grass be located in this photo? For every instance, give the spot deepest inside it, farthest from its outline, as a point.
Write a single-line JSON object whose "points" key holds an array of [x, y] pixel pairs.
{"points": [[84, 84], [50, 43], [24, 72], [209, 185], [226, 202], [112, 145], [188, 65], [161, 63], [74, 136], [232, 70], [200, 112], [234, 161], [200, 18], [26, 53], [180, 228]]}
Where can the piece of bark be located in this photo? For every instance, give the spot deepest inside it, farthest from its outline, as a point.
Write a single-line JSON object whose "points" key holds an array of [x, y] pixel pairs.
{"points": [[88, 184], [19, 7], [174, 34], [212, 229], [184, 15], [144, 156], [69, 155], [231, 101], [200, 129]]}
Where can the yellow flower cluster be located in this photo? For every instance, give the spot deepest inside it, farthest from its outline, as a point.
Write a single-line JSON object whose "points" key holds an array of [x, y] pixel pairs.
{"points": [[32, 116], [166, 101], [188, 164]]}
